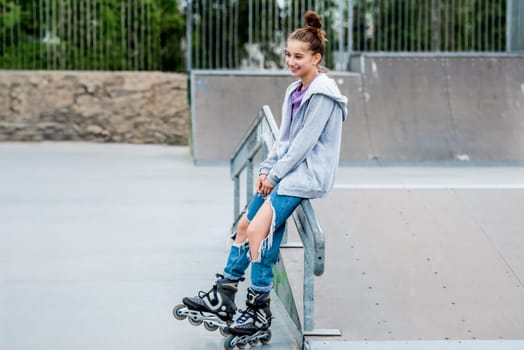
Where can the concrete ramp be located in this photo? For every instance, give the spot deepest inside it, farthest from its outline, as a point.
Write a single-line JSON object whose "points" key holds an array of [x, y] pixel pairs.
{"points": [[443, 108], [486, 98], [406, 109], [421, 258], [225, 103]]}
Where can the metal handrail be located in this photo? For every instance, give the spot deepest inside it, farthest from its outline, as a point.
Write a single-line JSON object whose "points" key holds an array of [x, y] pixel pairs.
{"points": [[260, 137]]}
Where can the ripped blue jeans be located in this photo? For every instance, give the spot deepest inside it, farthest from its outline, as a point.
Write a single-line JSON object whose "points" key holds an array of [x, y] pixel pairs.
{"points": [[239, 256]]}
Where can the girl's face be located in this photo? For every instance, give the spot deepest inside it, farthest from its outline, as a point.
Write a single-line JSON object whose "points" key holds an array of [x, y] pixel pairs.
{"points": [[302, 63]]}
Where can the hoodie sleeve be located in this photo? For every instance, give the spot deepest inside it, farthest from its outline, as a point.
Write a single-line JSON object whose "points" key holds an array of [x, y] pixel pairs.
{"points": [[319, 110], [271, 158]]}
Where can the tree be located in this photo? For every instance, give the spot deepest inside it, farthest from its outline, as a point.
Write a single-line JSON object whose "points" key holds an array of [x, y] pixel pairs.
{"points": [[91, 34], [172, 28], [407, 25], [225, 34]]}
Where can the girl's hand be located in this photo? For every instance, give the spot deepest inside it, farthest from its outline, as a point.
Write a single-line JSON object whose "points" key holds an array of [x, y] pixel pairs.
{"points": [[264, 186], [259, 183]]}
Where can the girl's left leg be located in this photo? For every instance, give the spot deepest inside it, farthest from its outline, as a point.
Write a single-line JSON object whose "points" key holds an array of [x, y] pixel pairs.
{"points": [[259, 229]]}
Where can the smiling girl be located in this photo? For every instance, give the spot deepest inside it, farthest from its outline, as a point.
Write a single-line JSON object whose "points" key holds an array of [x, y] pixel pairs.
{"points": [[302, 164]]}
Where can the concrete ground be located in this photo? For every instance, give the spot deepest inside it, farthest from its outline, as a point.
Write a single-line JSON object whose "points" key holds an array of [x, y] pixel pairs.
{"points": [[99, 241]]}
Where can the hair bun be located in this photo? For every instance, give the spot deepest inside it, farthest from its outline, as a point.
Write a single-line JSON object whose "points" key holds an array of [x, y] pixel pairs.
{"points": [[312, 19]]}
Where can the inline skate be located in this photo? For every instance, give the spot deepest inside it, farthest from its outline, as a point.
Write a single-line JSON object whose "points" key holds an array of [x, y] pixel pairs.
{"points": [[252, 325], [215, 309]]}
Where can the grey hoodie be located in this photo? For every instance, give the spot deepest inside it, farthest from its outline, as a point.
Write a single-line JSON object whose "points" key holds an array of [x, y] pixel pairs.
{"points": [[305, 157]]}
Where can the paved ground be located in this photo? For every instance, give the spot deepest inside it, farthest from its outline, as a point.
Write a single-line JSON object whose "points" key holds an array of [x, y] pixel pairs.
{"points": [[98, 242]]}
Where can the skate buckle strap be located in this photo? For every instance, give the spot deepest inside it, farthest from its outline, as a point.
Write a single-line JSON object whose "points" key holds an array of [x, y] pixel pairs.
{"points": [[202, 294], [245, 315], [212, 291]]}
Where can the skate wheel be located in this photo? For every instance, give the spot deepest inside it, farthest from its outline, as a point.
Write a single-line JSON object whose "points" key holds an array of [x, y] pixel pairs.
{"points": [[194, 321], [177, 312], [210, 326], [253, 343], [228, 343], [265, 340], [223, 332]]}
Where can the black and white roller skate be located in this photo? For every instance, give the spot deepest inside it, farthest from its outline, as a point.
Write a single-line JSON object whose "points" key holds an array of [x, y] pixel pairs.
{"points": [[252, 326], [215, 308]]}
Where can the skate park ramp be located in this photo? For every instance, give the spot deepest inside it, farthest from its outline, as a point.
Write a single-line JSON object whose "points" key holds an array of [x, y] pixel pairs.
{"points": [[98, 243], [401, 108], [442, 108], [420, 258], [224, 104]]}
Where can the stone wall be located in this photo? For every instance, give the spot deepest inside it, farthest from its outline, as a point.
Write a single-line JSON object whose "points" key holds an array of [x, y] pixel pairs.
{"points": [[127, 107]]}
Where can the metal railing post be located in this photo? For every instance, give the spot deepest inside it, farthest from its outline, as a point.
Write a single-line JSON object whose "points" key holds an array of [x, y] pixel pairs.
{"points": [[236, 197], [249, 180], [309, 298]]}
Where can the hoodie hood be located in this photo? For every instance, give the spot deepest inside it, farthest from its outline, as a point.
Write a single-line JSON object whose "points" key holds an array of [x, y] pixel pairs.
{"points": [[322, 84]]}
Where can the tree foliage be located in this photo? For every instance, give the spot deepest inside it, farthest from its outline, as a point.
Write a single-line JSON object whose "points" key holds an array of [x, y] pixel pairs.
{"points": [[91, 34], [408, 25], [227, 33]]}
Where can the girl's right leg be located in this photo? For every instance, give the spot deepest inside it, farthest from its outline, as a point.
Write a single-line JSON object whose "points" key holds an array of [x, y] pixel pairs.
{"points": [[220, 300], [239, 258]]}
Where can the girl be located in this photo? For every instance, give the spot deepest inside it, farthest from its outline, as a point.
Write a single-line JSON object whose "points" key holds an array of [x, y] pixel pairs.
{"points": [[302, 164]]}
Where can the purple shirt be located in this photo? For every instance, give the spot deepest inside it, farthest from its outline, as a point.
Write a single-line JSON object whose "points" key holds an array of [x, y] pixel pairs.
{"points": [[296, 99]]}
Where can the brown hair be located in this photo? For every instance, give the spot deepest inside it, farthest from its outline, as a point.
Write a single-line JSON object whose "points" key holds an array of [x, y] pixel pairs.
{"points": [[311, 34]]}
